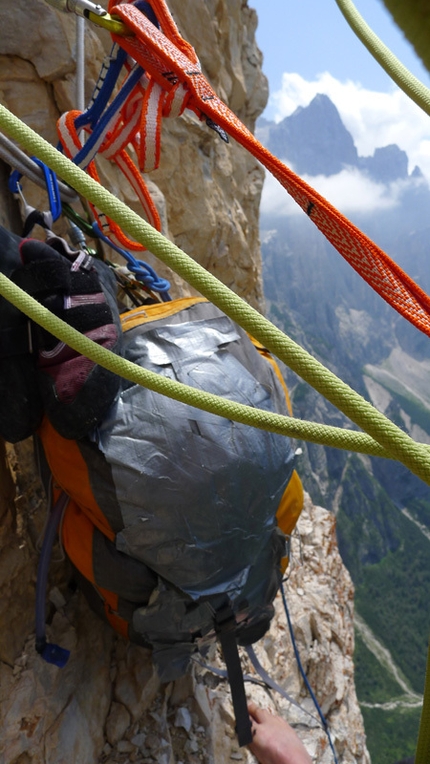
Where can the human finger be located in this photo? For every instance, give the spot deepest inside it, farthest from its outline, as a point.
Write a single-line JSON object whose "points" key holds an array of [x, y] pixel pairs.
{"points": [[258, 714]]}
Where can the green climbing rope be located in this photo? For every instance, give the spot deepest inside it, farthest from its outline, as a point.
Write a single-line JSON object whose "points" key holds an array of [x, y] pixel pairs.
{"points": [[420, 94], [284, 425], [406, 81], [396, 444]]}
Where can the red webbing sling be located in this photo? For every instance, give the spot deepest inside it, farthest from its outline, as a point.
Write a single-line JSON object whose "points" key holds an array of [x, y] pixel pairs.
{"points": [[171, 62]]}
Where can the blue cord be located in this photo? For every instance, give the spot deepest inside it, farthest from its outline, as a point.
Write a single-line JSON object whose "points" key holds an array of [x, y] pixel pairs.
{"points": [[305, 679], [141, 270]]}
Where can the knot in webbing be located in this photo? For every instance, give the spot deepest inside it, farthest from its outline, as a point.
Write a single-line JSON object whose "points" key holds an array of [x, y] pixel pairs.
{"points": [[163, 53]]}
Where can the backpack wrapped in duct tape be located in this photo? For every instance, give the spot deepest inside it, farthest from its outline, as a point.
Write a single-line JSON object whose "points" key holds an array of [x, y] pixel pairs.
{"points": [[177, 520], [178, 505]]}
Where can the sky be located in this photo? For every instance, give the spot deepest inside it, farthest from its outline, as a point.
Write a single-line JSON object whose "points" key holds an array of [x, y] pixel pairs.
{"points": [[308, 48]]}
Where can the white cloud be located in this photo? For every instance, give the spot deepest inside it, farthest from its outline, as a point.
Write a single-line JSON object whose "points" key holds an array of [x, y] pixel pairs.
{"points": [[349, 191], [373, 118]]}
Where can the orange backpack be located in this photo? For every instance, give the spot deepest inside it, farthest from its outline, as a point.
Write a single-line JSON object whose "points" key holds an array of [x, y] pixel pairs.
{"points": [[177, 519]]}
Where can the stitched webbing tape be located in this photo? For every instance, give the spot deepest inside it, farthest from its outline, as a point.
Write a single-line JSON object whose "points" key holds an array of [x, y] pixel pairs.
{"points": [[160, 57], [394, 441]]}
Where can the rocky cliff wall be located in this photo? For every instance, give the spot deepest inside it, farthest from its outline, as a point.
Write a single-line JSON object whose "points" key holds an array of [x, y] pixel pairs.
{"points": [[210, 190], [107, 705]]}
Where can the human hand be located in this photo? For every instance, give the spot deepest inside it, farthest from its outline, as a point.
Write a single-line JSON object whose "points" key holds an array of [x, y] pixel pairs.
{"points": [[274, 741]]}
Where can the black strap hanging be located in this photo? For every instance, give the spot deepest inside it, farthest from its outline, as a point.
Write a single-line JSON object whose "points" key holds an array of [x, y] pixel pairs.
{"points": [[226, 630]]}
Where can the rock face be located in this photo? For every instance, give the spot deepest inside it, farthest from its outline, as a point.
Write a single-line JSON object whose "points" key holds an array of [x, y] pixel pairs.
{"points": [[212, 211], [107, 704], [387, 164]]}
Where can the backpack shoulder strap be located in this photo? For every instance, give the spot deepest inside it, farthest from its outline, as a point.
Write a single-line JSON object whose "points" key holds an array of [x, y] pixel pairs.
{"points": [[148, 313], [226, 628]]}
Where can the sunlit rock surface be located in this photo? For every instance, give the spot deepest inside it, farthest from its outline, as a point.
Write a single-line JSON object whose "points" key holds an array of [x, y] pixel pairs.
{"points": [[107, 705]]}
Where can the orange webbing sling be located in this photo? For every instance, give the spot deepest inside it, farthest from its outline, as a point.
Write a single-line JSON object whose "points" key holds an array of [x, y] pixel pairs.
{"points": [[171, 62]]}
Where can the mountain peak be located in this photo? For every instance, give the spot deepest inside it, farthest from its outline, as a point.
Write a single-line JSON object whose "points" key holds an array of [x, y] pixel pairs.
{"points": [[387, 164], [321, 102], [313, 138], [316, 142]]}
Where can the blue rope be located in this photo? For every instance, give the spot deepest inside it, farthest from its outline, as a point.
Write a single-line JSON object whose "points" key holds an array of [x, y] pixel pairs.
{"points": [[141, 270], [305, 679]]}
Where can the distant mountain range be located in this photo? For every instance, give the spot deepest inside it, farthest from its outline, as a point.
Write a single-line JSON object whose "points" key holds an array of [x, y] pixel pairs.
{"points": [[383, 511], [316, 141]]}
